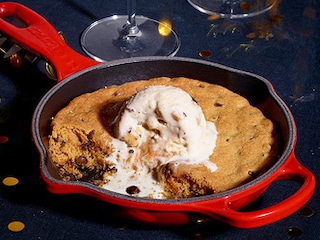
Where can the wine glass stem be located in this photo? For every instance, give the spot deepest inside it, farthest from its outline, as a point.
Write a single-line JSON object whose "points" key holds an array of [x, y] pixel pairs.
{"points": [[131, 25]]}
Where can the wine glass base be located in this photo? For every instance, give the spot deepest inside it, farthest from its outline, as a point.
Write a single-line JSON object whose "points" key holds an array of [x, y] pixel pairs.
{"points": [[103, 40], [233, 8]]}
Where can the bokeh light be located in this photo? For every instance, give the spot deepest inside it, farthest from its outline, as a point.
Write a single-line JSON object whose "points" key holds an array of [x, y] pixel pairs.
{"points": [[165, 27]]}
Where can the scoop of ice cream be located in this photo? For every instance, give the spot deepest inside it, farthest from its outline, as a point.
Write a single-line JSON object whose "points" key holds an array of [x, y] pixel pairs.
{"points": [[165, 124]]}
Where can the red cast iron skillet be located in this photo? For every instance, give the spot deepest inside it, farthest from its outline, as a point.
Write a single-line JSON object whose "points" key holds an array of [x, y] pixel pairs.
{"points": [[81, 75]]}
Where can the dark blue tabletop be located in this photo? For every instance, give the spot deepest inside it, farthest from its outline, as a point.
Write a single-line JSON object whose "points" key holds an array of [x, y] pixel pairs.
{"points": [[287, 53]]}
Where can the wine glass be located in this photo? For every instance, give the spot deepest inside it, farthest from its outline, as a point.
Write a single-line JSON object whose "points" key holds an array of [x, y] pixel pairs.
{"points": [[120, 36], [230, 11], [233, 9]]}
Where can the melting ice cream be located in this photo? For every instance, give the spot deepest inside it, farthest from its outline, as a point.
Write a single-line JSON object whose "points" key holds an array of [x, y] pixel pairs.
{"points": [[157, 126]]}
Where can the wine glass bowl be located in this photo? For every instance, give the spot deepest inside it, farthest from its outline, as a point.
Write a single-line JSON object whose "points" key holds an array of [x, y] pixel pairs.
{"points": [[233, 9]]}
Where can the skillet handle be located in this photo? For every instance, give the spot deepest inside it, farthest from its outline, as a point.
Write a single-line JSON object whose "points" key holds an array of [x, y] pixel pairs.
{"points": [[291, 170], [42, 39]]}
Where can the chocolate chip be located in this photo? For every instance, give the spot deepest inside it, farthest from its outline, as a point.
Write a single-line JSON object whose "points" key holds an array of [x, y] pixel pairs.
{"points": [[166, 171], [90, 135], [218, 104], [132, 190], [81, 160], [86, 146], [252, 174]]}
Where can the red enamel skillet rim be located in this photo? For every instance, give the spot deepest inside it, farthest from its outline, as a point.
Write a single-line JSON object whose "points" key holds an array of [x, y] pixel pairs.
{"points": [[40, 38]]}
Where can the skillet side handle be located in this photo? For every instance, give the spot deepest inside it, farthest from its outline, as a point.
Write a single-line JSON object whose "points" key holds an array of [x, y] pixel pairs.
{"points": [[293, 170], [39, 37]]}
